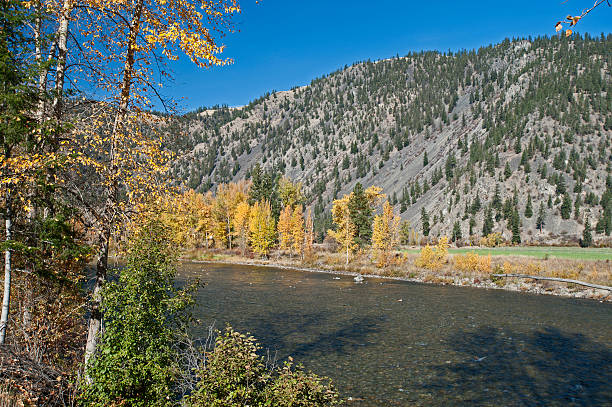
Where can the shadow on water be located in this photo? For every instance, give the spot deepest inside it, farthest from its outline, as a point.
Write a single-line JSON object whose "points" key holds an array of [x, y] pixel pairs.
{"points": [[302, 336], [541, 368]]}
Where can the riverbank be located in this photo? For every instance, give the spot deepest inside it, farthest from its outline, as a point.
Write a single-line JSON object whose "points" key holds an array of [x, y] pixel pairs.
{"points": [[596, 272]]}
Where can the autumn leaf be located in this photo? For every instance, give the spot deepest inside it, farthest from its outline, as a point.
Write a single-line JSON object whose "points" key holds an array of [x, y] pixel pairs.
{"points": [[568, 33], [558, 26]]}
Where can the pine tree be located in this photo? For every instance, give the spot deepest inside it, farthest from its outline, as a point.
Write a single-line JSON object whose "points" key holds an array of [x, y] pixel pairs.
{"points": [[425, 159], [487, 225], [507, 171], [516, 227], [541, 220], [425, 221], [472, 224], [361, 215], [496, 202], [528, 207], [587, 238], [456, 235], [566, 206]]}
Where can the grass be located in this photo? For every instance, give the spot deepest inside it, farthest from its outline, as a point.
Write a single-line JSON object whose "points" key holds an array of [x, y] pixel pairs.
{"points": [[539, 252]]}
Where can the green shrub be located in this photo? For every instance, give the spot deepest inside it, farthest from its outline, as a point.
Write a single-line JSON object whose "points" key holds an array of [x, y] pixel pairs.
{"points": [[135, 363], [234, 375]]}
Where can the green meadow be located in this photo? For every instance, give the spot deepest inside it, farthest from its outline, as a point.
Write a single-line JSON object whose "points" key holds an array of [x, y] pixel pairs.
{"points": [[540, 252]]}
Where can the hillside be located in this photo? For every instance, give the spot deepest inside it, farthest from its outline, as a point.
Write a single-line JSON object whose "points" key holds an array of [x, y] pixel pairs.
{"points": [[524, 124]]}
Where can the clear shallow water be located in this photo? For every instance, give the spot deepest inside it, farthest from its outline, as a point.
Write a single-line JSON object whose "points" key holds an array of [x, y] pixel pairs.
{"points": [[437, 346]]}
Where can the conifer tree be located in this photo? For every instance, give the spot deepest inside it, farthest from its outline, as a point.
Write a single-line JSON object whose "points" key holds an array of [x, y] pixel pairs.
{"points": [[528, 207], [541, 220], [487, 225], [425, 221], [361, 215], [587, 238], [425, 159], [516, 227], [507, 171], [566, 206], [456, 235]]}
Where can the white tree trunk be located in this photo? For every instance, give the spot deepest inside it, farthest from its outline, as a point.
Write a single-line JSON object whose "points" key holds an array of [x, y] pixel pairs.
{"points": [[6, 299]]}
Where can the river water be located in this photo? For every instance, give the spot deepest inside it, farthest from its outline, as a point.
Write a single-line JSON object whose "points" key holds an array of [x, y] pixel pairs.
{"points": [[394, 343]]}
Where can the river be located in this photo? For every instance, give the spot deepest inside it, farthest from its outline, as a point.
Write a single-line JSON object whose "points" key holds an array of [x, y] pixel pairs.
{"points": [[395, 343]]}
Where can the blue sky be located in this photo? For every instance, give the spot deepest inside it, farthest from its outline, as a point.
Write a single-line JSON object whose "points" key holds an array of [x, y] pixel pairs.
{"points": [[287, 43]]}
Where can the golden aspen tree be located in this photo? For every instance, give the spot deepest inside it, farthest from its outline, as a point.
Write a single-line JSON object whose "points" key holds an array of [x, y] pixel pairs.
{"points": [[289, 192], [205, 219], [284, 228], [227, 199], [345, 229], [133, 35], [374, 196], [385, 234], [262, 228], [297, 231], [241, 224], [308, 236]]}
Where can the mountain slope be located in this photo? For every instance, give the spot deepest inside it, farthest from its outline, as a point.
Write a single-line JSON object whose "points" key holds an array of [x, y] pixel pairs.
{"points": [[532, 118]]}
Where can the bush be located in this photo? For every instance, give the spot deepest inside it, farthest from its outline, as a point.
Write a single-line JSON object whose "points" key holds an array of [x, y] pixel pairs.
{"points": [[135, 363], [492, 240], [433, 258], [472, 262], [234, 375]]}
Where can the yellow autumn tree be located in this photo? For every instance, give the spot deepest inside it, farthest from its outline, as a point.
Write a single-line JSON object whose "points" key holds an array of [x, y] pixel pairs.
{"points": [[289, 192], [120, 148], [308, 250], [241, 224], [297, 231], [374, 196], [385, 234], [205, 219], [226, 201], [345, 229], [284, 228], [262, 228]]}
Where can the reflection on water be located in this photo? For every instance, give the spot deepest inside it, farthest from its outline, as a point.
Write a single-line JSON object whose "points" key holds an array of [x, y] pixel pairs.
{"points": [[396, 343]]}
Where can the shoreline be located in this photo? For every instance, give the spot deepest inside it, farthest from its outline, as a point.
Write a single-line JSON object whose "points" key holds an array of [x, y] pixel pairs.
{"points": [[511, 284]]}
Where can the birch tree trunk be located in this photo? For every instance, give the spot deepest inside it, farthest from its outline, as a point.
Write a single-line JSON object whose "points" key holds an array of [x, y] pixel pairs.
{"points": [[6, 299], [95, 319]]}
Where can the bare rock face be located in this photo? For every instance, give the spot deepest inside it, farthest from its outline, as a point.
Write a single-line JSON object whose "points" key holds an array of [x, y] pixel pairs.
{"points": [[533, 117]]}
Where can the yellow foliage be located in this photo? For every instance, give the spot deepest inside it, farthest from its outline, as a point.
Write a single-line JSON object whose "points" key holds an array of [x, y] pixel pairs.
{"points": [[262, 228], [297, 230], [241, 224], [290, 193], [309, 236], [433, 258], [226, 201], [284, 228], [385, 234], [345, 229], [472, 262], [492, 240]]}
